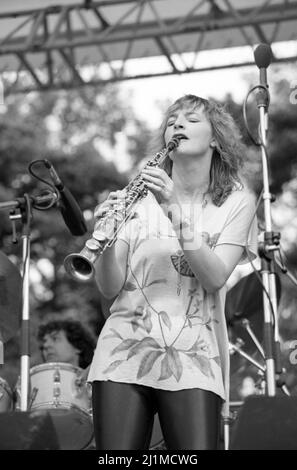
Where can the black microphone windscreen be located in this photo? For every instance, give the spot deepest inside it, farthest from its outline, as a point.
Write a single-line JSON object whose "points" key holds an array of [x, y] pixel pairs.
{"points": [[263, 55], [71, 213]]}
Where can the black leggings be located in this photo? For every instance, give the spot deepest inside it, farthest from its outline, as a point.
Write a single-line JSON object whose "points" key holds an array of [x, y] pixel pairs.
{"points": [[124, 413]]}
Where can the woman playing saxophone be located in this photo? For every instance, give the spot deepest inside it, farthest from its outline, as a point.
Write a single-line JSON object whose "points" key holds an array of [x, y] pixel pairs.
{"points": [[164, 347]]}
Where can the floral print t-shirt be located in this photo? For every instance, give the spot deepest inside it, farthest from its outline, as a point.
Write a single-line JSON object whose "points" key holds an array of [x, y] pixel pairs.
{"points": [[165, 331]]}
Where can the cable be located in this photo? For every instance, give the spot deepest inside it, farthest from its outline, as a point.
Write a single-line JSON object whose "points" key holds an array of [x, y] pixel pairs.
{"points": [[257, 143], [53, 188]]}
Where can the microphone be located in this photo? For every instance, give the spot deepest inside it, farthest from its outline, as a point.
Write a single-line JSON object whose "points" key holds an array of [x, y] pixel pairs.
{"points": [[69, 208], [263, 57]]}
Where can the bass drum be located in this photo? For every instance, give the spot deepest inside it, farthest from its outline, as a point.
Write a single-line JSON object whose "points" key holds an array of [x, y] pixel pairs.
{"points": [[54, 387], [6, 401]]}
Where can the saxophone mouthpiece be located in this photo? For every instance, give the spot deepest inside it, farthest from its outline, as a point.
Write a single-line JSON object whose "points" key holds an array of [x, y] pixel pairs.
{"points": [[173, 143]]}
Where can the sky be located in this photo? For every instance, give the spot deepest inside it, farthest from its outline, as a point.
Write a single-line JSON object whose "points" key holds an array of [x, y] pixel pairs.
{"points": [[144, 94]]}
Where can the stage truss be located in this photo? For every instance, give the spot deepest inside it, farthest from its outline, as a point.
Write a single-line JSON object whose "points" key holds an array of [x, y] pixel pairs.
{"points": [[52, 46]]}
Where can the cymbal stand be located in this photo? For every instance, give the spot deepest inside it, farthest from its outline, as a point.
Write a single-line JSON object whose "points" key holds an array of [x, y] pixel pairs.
{"points": [[24, 205], [237, 348], [246, 325], [280, 380]]}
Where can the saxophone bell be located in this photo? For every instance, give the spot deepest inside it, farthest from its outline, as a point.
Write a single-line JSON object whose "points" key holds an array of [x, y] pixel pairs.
{"points": [[80, 266]]}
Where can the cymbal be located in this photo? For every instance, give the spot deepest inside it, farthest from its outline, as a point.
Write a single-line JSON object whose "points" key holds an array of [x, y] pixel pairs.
{"points": [[10, 298]]}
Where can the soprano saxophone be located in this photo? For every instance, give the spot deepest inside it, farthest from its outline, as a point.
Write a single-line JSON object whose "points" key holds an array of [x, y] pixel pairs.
{"points": [[80, 266]]}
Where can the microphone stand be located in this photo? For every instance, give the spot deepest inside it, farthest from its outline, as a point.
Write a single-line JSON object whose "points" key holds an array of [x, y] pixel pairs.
{"points": [[266, 253], [24, 205]]}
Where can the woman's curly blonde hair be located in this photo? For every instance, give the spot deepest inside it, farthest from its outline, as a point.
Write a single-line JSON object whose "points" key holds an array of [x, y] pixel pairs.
{"points": [[227, 158]]}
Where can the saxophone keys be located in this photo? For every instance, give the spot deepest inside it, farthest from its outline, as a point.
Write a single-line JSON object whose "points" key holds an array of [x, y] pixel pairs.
{"points": [[92, 244], [99, 235]]}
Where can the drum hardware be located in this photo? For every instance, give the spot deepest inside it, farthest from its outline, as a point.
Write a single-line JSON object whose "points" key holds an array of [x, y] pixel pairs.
{"points": [[228, 421], [246, 324], [55, 389], [237, 348], [6, 401], [32, 397], [10, 298]]}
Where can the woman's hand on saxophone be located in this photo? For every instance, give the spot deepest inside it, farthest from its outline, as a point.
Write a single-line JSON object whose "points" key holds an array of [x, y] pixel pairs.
{"points": [[113, 199], [159, 183]]}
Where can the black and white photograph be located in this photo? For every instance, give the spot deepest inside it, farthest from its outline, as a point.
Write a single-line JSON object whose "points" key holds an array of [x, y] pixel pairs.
{"points": [[148, 228]]}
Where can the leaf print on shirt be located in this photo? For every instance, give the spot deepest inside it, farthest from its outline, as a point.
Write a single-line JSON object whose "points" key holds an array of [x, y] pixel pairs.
{"points": [[147, 320], [171, 365], [125, 344], [152, 349], [166, 371], [199, 353], [137, 321], [142, 345], [147, 363], [202, 363], [174, 362], [114, 334], [164, 317], [129, 286], [113, 366]]}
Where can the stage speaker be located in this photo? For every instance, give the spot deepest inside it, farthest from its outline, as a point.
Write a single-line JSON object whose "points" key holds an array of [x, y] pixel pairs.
{"points": [[20, 430], [266, 423]]}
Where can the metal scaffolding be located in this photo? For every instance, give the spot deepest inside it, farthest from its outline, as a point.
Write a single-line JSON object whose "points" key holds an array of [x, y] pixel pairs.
{"points": [[94, 42]]}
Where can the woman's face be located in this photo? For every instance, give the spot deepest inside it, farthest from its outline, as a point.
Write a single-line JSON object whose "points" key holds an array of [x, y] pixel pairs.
{"points": [[195, 129]]}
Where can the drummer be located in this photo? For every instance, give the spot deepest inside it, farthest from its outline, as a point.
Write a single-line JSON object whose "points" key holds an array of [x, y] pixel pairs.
{"points": [[66, 341]]}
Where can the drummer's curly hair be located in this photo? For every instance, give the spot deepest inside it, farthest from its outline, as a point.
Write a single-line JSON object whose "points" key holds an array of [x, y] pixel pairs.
{"points": [[76, 334]]}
